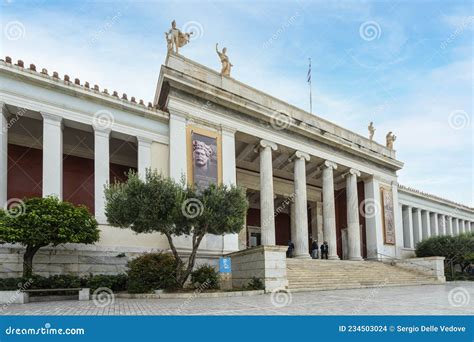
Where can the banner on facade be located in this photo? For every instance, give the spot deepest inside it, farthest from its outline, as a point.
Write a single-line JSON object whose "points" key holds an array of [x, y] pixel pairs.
{"points": [[388, 216]]}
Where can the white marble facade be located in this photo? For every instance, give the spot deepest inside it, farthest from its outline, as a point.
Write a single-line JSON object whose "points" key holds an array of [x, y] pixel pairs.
{"points": [[269, 147]]}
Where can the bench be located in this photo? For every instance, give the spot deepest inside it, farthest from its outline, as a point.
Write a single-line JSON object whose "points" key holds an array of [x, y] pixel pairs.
{"points": [[84, 293]]}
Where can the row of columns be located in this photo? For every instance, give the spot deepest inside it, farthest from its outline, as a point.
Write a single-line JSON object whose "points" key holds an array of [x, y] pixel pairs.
{"points": [[299, 209], [53, 160], [420, 224]]}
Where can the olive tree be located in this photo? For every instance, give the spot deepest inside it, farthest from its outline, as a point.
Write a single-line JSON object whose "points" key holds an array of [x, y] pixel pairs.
{"points": [[39, 222], [160, 204]]}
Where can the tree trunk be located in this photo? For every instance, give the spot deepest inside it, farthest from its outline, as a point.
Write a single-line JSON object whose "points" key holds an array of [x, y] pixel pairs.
{"points": [[28, 260]]}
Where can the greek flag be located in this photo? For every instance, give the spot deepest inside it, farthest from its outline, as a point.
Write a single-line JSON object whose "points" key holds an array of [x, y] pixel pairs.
{"points": [[309, 72]]}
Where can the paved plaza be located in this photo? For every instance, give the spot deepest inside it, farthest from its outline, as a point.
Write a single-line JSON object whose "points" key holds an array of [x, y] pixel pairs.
{"points": [[455, 298]]}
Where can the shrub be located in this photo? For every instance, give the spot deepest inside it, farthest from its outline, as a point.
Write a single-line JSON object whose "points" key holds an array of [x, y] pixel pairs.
{"points": [[205, 276], [115, 282], [255, 284], [150, 272]]}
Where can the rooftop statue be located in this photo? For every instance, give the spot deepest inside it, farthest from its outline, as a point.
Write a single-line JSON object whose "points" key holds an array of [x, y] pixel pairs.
{"points": [[371, 131], [226, 65], [390, 139], [176, 39]]}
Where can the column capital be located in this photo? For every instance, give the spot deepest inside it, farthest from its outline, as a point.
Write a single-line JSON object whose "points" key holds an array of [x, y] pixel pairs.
{"points": [[105, 132], [265, 143], [354, 172], [144, 141], [51, 117], [330, 164], [301, 155]]}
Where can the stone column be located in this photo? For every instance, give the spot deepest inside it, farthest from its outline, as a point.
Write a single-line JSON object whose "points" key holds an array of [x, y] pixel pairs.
{"points": [[3, 156], [52, 155], [319, 223], [425, 219], [177, 147], [229, 177], [417, 226], [449, 225], [407, 226], [101, 171], [144, 156], [434, 224], [353, 226], [301, 205], [267, 211], [329, 211], [442, 224], [455, 226]]}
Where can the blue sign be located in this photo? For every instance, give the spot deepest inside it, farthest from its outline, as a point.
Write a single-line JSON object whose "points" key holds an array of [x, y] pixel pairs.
{"points": [[225, 265]]}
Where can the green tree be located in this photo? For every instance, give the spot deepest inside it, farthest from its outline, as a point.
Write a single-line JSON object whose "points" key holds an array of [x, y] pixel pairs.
{"points": [[160, 204], [39, 222]]}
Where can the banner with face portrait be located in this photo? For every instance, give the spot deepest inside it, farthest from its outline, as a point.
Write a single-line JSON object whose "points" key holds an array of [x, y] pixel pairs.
{"points": [[204, 158]]}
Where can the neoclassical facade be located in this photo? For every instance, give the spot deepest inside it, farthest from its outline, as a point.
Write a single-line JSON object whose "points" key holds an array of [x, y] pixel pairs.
{"points": [[306, 178]]}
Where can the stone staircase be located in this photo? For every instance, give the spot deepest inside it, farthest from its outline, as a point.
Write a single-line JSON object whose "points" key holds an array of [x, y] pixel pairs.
{"points": [[312, 275]]}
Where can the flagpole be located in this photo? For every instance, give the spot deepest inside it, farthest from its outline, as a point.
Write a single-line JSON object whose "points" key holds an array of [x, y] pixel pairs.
{"points": [[310, 90]]}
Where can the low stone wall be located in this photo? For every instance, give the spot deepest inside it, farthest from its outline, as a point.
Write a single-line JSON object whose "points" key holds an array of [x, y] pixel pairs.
{"points": [[430, 266], [80, 260], [267, 263]]}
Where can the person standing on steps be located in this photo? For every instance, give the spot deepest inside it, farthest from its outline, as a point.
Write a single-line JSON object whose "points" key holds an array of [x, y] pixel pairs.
{"points": [[314, 249], [324, 250]]}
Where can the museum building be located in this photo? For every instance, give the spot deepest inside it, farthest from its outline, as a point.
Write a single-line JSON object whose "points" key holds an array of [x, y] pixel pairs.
{"points": [[306, 178]]}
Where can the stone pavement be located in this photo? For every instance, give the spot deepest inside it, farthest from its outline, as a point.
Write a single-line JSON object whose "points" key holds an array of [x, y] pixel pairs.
{"points": [[446, 299]]}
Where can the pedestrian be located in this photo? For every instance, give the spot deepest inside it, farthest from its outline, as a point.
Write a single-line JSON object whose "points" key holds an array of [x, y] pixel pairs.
{"points": [[291, 248], [324, 250], [314, 249]]}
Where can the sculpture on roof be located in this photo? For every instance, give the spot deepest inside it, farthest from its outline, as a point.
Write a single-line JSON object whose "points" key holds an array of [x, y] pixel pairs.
{"points": [[226, 64], [176, 39], [390, 137], [371, 131]]}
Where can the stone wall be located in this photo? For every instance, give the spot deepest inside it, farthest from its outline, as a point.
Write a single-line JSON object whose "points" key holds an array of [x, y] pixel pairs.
{"points": [[267, 263], [80, 259], [431, 266]]}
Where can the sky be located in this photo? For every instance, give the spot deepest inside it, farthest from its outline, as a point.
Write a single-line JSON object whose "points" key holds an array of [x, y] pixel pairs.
{"points": [[405, 65]]}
